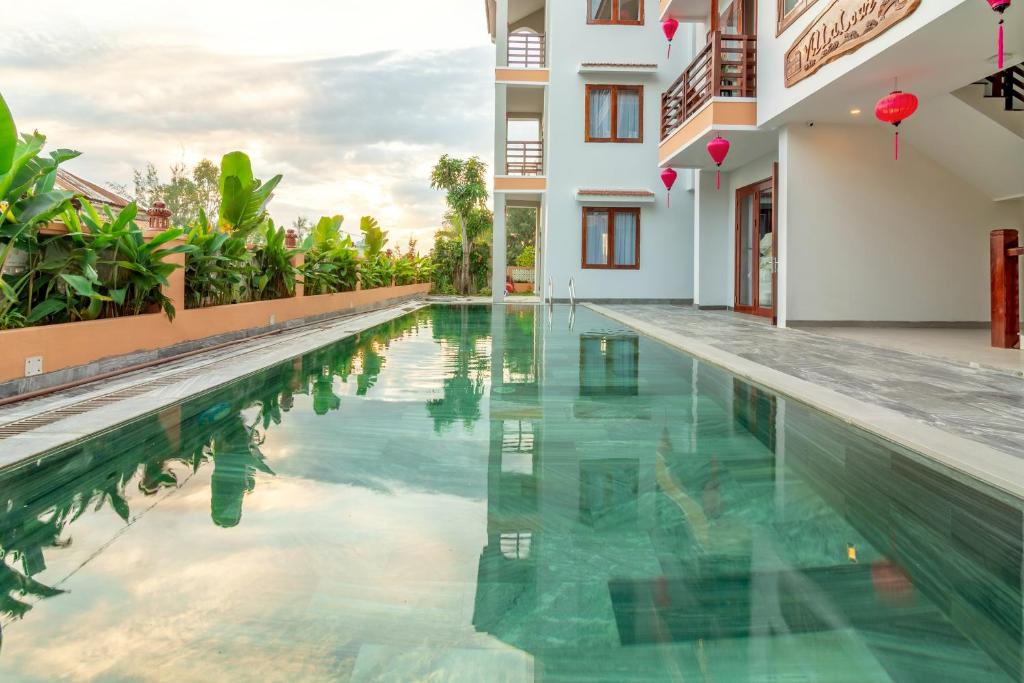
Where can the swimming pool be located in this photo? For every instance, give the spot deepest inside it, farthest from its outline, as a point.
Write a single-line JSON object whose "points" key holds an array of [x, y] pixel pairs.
{"points": [[502, 493]]}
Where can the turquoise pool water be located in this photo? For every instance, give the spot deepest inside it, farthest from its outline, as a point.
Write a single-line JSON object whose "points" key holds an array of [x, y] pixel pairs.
{"points": [[478, 494]]}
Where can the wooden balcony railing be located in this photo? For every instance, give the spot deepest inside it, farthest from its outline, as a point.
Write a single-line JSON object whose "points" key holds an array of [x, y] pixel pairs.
{"points": [[726, 67], [524, 158], [526, 50]]}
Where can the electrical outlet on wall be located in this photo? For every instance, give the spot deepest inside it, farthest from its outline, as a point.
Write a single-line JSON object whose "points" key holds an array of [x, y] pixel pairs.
{"points": [[33, 366]]}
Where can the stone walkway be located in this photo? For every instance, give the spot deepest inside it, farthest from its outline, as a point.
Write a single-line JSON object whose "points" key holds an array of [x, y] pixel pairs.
{"points": [[982, 405]]}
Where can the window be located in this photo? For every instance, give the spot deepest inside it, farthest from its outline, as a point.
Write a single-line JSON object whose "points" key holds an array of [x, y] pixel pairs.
{"points": [[630, 12], [615, 113], [611, 238], [788, 12]]}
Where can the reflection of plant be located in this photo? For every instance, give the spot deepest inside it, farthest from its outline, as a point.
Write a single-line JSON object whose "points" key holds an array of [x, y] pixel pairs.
{"points": [[462, 327]]}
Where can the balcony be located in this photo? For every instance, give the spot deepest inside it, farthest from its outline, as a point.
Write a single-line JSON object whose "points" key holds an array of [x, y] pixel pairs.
{"points": [[726, 67], [524, 158], [526, 50]]}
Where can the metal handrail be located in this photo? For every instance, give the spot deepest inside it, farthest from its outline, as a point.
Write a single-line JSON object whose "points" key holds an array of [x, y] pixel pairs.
{"points": [[572, 290], [551, 291]]}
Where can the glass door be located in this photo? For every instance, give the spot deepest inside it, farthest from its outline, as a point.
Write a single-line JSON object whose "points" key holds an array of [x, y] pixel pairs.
{"points": [[756, 249]]}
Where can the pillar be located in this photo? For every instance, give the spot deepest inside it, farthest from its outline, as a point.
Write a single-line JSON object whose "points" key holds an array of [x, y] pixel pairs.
{"points": [[499, 249], [159, 221], [501, 33], [1005, 280]]}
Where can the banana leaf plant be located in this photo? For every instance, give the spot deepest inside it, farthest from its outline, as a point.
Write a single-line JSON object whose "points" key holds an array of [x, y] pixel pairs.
{"points": [[243, 197], [27, 200], [273, 274], [102, 267], [331, 258], [376, 268], [216, 273]]}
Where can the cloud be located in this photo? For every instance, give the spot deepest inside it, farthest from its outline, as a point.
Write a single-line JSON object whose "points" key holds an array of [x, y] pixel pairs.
{"points": [[355, 134]]}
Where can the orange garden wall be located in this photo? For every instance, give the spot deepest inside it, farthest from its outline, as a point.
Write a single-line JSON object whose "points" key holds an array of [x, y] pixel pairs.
{"points": [[72, 344]]}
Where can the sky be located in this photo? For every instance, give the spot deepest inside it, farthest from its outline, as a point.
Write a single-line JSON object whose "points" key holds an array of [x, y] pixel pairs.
{"points": [[351, 101]]}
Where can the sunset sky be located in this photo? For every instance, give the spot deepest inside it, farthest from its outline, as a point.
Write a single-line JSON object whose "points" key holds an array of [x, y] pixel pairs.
{"points": [[351, 101]]}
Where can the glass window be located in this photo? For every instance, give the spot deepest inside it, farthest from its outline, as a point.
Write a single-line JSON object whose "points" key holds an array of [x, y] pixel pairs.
{"points": [[601, 10], [615, 12], [611, 238], [615, 113]]}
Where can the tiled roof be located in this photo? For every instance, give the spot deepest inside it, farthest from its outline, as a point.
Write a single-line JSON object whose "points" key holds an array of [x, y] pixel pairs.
{"points": [[616, 193], [92, 192]]}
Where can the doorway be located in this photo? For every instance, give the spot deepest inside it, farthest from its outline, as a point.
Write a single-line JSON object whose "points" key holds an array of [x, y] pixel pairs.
{"points": [[756, 249]]}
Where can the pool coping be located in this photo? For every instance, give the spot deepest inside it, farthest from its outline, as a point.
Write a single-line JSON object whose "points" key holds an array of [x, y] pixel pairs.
{"points": [[248, 359], [979, 461]]}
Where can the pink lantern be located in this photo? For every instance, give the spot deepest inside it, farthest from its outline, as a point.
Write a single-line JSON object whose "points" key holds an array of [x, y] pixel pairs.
{"points": [[999, 6], [671, 25], [668, 176], [894, 108], [718, 149]]}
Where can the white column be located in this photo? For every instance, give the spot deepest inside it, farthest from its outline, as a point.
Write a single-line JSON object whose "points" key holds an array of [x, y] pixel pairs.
{"points": [[501, 33], [713, 260], [499, 250], [782, 225]]}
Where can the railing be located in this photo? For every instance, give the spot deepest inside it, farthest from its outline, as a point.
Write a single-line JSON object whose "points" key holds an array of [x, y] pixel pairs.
{"points": [[526, 50], [524, 157], [726, 67], [1008, 84]]}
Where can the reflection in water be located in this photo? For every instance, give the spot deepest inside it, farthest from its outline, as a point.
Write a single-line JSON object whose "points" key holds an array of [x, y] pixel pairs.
{"points": [[642, 516]]}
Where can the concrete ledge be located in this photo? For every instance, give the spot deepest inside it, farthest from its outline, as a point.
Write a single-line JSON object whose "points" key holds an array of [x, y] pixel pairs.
{"points": [[76, 351], [948, 324], [977, 460], [584, 300]]}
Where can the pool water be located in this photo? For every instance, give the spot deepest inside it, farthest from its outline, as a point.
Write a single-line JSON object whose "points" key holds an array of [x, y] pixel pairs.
{"points": [[502, 494]]}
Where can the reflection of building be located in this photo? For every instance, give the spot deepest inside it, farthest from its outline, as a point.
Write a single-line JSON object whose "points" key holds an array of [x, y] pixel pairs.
{"points": [[719, 532]]}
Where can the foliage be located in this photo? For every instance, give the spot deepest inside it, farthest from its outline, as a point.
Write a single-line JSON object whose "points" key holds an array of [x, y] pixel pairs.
{"points": [[243, 197], [188, 193], [331, 258], [465, 185], [527, 257], [215, 271], [520, 231], [272, 273]]}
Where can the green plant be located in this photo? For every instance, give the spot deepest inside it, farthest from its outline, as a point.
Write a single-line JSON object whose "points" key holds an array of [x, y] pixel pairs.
{"points": [[216, 271], [376, 268], [465, 182], [526, 257], [102, 267], [243, 197], [331, 258], [272, 274]]}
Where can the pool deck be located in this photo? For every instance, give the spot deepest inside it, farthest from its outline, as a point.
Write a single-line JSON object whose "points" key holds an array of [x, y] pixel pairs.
{"points": [[968, 418]]}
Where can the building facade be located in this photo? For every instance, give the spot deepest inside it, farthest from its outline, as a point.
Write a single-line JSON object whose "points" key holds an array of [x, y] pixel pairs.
{"points": [[815, 221]]}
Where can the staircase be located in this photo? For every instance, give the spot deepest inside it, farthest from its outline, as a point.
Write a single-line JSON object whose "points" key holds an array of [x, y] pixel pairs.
{"points": [[1007, 85]]}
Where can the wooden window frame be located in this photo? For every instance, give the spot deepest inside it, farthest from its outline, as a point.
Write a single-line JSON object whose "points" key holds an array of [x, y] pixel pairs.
{"points": [[610, 264], [784, 20], [616, 20], [615, 89]]}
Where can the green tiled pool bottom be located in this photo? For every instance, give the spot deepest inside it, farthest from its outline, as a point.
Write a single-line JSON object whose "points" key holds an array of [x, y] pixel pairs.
{"points": [[503, 494]]}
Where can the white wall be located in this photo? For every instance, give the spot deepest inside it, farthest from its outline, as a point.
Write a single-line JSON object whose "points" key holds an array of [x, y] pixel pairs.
{"points": [[666, 235], [711, 239], [873, 239], [773, 97]]}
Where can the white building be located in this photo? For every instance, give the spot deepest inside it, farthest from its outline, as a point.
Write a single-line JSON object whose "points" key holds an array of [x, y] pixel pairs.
{"points": [[815, 222]]}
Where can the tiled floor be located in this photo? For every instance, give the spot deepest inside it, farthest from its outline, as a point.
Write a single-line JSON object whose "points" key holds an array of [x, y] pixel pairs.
{"points": [[980, 404], [968, 346]]}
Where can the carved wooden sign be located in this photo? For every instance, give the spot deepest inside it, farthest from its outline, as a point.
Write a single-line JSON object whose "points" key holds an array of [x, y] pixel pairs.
{"points": [[841, 28]]}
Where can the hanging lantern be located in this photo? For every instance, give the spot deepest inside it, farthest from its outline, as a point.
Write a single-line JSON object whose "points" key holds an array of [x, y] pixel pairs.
{"points": [[895, 108], [718, 149], [671, 25], [668, 176], [999, 6]]}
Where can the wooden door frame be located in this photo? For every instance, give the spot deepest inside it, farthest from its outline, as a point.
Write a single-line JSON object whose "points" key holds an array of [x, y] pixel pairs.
{"points": [[755, 189]]}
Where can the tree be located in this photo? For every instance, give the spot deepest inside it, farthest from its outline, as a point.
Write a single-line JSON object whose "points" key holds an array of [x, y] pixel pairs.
{"points": [[188, 192], [521, 231], [465, 182]]}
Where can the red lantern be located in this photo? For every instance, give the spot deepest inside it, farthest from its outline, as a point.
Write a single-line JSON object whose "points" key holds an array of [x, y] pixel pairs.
{"points": [[718, 149], [895, 108], [671, 25], [668, 176], [999, 6]]}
